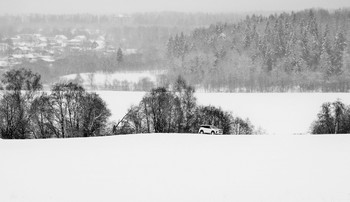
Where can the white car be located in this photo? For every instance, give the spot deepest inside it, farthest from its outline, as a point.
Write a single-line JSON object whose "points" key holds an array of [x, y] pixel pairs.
{"points": [[209, 129]]}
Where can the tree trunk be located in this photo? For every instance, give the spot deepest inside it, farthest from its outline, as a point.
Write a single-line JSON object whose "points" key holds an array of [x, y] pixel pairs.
{"points": [[147, 118]]}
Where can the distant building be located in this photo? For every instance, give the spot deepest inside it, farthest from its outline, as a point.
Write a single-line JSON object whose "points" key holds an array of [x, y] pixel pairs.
{"points": [[46, 53], [110, 49], [74, 42], [4, 47], [101, 38], [61, 40], [16, 40], [21, 50], [129, 51], [80, 38], [98, 45], [77, 41], [29, 38], [94, 45], [222, 35], [47, 59], [4, 63], [42, 40]]}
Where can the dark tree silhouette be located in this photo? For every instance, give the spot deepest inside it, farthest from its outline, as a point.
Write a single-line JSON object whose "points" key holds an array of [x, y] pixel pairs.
{"points": [[332, 119], [15, 115], [120, 55]]}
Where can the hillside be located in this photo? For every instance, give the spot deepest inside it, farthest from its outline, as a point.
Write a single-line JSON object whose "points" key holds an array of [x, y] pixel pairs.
{"points": [[297, 51], [169, 167]]}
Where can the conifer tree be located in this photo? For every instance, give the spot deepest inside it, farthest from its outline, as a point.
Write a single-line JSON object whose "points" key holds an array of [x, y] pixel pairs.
{"points": [[120, 55]]}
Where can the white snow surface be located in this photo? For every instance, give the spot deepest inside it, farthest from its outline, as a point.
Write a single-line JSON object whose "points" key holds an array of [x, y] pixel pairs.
{"points": [[100, 79], [118, 102], [177, 167], [277, 113]]}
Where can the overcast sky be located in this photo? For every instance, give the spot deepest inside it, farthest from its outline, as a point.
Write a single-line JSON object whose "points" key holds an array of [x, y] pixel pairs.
{"points": [[128, 6]]}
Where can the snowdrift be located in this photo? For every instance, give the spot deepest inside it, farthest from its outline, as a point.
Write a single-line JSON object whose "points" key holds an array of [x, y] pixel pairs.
{"points": [[177, 167]]}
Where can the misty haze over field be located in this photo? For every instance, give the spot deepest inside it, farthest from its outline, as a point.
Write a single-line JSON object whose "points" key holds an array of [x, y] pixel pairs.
{"points": [[121, 6]]}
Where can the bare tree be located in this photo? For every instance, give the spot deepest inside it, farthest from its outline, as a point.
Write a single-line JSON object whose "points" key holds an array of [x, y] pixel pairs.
{"points": [[21, 86]]}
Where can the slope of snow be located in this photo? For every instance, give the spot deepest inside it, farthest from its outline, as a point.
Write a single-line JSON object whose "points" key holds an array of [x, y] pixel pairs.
{"points": [[277, 113], [173, 168]]}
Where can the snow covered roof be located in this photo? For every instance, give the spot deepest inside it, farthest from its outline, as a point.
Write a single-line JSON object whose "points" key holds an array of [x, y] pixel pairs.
{"points": [[43, 39], [3, 63], [17, 56], [42, 45], [48, 59], [80, 38], [29, 56], [61, 37], [101, 38], [130, 51], [223, 35], [22, 48], [4, 44]]}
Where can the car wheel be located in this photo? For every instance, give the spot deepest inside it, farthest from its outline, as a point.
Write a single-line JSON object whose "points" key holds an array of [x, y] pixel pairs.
{"points": [[201, 132], [212, 132]]}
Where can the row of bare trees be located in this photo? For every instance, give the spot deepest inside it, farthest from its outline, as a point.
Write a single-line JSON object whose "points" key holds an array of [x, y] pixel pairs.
{"points": [[174, 110], [67, 111]]}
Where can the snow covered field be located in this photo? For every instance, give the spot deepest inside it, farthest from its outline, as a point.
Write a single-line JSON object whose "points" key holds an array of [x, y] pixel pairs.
{"points": [[120, 101], [177, 167], [100, 79], [277, 113]]}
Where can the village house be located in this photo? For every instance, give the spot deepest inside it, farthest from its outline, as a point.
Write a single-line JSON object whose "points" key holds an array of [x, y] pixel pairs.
{"points": [[61, 40], [98, 45], [28, 39], [15, 40], [4, 63], [42, 40], [77, 41], [130, 51], [4, 47], [81, 38], [46, 53], [37, 47], [21, 50], [74, 42], [47, 59], [110, 49]]}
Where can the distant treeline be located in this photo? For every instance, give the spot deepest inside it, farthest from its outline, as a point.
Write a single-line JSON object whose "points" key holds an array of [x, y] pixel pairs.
{"points": [[86, 62], [149, 18], [302, 51]]}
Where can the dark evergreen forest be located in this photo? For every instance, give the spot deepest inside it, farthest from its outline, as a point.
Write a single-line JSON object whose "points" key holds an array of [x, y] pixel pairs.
{"points": [[302, 51]]}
